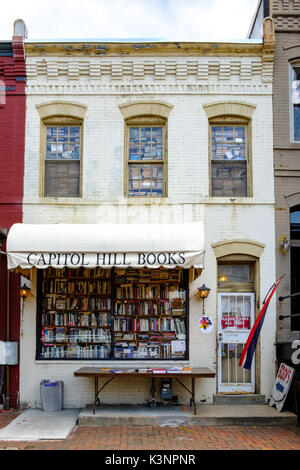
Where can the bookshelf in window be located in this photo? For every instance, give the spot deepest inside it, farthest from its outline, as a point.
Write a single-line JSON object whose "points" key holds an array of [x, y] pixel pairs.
{"points": [[100, 314], [149, 314], [75, 314]]}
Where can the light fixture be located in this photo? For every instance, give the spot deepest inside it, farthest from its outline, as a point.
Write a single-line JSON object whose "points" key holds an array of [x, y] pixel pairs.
{"points": [[222, 278], [24, 292], [203, 293], [284, 244]]}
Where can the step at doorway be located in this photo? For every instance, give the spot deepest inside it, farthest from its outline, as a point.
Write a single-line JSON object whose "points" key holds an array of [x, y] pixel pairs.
{"points": [[235, 399]]}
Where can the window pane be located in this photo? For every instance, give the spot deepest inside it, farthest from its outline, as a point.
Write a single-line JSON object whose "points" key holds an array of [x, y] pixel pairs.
{"points": [[217, 134], [157, 135], [145, 180], [74, 134], [62, 178], [228, 134], [145, 151], [134, 135], [51, 134], [134, 153], [51, 151], [145, 143], [229, 178], [234, 273], [228, 143]]}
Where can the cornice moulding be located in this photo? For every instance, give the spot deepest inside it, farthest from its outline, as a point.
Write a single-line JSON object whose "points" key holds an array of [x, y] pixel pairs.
{"points": [[143, 49]]}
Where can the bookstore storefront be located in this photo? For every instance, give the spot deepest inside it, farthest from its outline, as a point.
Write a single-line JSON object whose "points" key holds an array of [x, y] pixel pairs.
{"points": [[109, 292]]}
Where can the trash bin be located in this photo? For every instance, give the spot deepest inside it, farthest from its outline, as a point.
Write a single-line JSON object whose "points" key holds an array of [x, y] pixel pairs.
{"points": [[52, 395]]}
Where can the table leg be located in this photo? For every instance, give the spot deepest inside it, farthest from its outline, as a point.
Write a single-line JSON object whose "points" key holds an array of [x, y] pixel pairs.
{"points": [[191, 392], [153, 404], [97, 400], [193, 395], [97, 392]]}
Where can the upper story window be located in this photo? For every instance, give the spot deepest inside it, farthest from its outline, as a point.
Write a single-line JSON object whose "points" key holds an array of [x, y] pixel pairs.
{"points": [[146, 159], [61, 148], [295, 103], [62, 160], [229, 148], [145, 148], [229, 160]]}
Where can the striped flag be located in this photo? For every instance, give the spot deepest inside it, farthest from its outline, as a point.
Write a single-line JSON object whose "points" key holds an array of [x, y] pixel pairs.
{"points": [[248, 351]]}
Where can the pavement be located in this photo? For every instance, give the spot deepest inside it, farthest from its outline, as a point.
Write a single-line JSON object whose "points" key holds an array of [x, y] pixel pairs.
{"points": [[217, 428], [213, 415], [33, 425]]}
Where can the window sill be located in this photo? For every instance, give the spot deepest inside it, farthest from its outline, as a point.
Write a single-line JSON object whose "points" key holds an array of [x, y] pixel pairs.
{"points": [[59, 199], [229, 200], [143, 200]]}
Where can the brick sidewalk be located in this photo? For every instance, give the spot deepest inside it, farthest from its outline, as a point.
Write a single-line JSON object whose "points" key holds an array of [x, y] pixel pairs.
{"points": [[186, 438]]}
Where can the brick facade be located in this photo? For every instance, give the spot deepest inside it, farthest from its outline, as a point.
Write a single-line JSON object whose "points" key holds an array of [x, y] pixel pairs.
{"points": [[12, 144], [187, 81]]}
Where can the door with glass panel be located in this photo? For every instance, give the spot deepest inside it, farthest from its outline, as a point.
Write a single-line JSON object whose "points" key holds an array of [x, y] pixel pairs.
{"points": [[235, 320]]}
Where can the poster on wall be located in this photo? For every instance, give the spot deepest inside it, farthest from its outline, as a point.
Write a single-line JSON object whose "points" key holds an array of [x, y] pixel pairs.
{"points": [[281, 386], [206, 324]]}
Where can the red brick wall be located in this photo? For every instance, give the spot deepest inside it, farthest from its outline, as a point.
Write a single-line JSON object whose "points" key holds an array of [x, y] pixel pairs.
{"points": [[12, 141]]}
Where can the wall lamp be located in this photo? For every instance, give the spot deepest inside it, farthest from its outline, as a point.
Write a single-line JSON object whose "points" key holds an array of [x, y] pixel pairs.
{"points": [[203, 293], [24, 291], [24, 294]]}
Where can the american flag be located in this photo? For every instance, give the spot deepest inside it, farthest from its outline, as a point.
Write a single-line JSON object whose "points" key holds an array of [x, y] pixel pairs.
{"points": [[248, 351]]}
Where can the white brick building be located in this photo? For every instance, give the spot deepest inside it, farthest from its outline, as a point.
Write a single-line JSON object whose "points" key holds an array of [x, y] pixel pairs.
{"points": [[198, 93]]}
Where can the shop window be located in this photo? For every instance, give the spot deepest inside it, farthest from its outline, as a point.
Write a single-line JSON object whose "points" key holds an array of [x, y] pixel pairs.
{"points": [[112, 314], [146, 158], [62, 160], [295, 102], [229, 161]]}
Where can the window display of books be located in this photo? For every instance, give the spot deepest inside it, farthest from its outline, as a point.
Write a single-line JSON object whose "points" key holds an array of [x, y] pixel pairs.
{"points": [[151, 306], [112, 314], [75, 314]]}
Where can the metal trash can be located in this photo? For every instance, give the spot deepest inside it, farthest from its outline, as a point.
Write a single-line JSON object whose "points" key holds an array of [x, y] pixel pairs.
{"points": [[52, 395]]}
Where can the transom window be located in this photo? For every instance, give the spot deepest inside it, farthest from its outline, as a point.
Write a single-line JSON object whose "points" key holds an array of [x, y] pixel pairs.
{"points": [[62, 160], [229, 160], [236, 274], [146, 160]]}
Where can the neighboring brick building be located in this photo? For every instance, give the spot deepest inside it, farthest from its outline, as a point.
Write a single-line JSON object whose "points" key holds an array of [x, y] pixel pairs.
{"points": [[131, 134], [12, 144], [286, 108]]}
